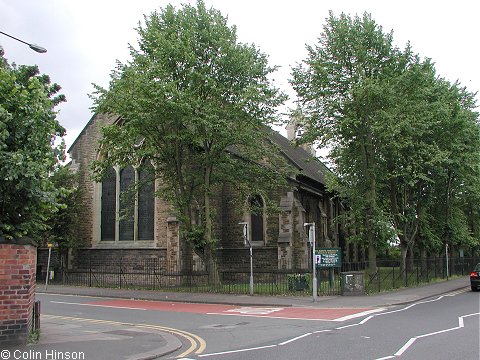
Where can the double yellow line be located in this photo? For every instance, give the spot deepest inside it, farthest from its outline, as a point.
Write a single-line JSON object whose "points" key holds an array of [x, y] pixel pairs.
{"points": [[197, 344]]}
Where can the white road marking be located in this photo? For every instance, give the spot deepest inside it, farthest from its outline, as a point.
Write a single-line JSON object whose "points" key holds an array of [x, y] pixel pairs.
{"points": [[270, 317], [265, 313], [398, 310], [294, 339], [328, 330], [254, 310], [413, 339], [398, 353], [363, 313], [237, 351]]}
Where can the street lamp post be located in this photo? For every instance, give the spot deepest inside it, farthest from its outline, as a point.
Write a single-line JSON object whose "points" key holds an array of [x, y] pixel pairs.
{"points": [[34, 47], [48, 265], [311, 239], [246, 240]]}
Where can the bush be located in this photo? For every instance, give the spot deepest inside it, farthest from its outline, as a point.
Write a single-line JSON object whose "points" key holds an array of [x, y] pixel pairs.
{"points": [[299, 282]]}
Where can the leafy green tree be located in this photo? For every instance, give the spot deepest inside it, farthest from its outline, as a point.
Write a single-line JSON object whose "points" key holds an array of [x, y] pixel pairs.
{"points": [[198, 103], [429, 145], [340, 85], [61, 224], [28, 127], [456, 180], [404, 142], [409, 152]]}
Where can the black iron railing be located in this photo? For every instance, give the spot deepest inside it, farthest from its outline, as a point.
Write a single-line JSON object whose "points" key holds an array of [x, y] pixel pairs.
{"points": [[231, 277]]}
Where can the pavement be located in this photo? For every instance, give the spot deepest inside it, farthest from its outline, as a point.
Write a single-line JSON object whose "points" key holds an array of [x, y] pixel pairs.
{"points": [[71, 337]]}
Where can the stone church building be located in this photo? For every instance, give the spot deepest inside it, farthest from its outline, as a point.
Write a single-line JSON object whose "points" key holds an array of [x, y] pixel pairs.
{"points": [[279, 240]]}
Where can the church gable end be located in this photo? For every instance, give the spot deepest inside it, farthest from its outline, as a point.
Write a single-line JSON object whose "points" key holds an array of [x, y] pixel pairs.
{"points": [[142, 221]]}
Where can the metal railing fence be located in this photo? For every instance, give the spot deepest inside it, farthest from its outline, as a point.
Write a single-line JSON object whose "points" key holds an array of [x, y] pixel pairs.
{"points": [[232, 277]]}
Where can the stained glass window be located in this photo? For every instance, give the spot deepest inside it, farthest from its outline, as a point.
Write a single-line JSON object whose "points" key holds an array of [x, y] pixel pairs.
{"points": [[108, 206], [256, 206], [146, 203], [127, 203], [128, 209]]}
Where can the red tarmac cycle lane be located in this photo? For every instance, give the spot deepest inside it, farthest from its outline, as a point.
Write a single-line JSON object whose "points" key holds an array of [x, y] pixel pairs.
{"points": [[307, 313]]}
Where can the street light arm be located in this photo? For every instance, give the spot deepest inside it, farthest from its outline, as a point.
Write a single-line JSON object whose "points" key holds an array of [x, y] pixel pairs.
{"points": [[34, 47]]}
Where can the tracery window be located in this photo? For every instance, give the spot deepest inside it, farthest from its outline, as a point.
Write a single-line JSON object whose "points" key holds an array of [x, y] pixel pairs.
{"points": [[127, 215], [146, 203], [257, 226], [108, 208], [127, 204]]}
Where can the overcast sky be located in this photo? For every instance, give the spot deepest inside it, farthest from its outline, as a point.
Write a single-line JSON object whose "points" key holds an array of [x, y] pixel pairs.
{"points": [[84, 38]]}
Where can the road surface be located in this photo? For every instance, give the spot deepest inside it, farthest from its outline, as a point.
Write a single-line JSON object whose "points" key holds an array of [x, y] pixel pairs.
{"points": [[444, 327]]}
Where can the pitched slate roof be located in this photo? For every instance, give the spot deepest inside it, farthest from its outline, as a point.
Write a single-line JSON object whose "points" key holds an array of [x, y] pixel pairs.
{"points": [[307, 165]]}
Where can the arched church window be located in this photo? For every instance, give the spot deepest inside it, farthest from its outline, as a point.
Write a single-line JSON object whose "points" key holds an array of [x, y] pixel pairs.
{"points": [[127, 203], [146, 202], [256, 218], [108, 206], [128, 214]]}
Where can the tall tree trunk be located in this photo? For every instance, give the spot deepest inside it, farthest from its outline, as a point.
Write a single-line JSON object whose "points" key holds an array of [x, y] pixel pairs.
{"points": [[448, 187], [209, 248], [403, 264], [372, 259], [183, 196], [371, 234], [423, 262], [411, 258]]}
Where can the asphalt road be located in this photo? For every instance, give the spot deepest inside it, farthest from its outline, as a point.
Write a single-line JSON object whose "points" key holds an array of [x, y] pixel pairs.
{"points": [[445, 327]]}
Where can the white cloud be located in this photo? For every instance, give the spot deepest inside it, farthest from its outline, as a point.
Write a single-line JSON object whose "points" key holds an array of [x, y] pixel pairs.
{"points": [[84, 38]]}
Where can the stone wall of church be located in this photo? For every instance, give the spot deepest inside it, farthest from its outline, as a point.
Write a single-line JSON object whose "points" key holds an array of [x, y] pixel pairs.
{"points": [[285, 244], [239, 258], [83, 152], [128, 259], [285, 230]]}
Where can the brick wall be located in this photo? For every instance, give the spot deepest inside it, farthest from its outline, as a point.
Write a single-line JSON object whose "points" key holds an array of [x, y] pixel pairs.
{"points": [[17, 292]]}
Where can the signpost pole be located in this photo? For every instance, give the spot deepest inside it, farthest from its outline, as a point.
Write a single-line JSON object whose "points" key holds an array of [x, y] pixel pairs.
{"points": [[311, 238], [245, 240], [251, 270], [315, 290], [48, 265]]}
